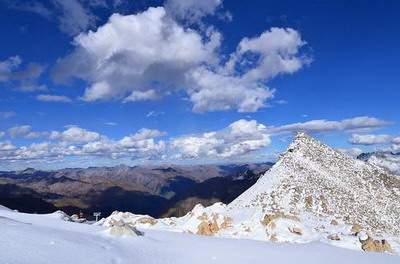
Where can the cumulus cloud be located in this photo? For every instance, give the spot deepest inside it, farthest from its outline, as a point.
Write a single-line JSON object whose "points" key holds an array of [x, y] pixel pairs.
{"points": [[239, 138], [371, 139], [192, 10], [79, 142], [6, 146], [25, 131], [19, 130], [75, 134], [123, 60], [53, 98]]}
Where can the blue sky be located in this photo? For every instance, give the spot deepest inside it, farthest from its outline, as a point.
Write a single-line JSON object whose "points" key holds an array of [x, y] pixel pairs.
{"points": [[193, 82]]}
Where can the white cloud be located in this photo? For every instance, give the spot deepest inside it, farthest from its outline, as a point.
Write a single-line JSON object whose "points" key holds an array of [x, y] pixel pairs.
{"points": [[192, 10], [19, 130], [214, 92], [124, 60], [19, 77], [110, 123], [53, 98], [75, 134], [322, 125], [239, 138], [357, 139], [25, 131], [78, 142], [6, 146], [371, 139], [154, 113], [396, 140], [142, 96], [2, 134], [74, 17]]}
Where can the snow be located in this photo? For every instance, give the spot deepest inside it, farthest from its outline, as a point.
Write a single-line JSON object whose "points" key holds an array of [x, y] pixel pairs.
{"points": [[303, 210], [41, 239]]}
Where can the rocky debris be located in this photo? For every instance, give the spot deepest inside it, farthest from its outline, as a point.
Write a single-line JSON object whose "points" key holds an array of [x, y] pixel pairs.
{"points": [[132, 219], [334, 237], [207, 228], [146, 220], [211, 225], [296, 230], [78, 219], [120, 228], [273, 238], [334, 222], [380, 246], [372, 245], [270, 218], [355, 229]]}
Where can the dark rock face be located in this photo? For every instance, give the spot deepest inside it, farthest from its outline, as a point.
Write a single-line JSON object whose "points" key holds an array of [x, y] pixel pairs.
{"points": [[153, 190]]}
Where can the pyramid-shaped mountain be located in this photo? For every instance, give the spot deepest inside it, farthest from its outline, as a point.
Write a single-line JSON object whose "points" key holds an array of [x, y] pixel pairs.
{"points": [[313, 178]]}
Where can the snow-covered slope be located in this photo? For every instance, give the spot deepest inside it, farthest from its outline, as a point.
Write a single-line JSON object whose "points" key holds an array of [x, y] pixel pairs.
{"points": [[313, 196], [314, 178], [41, 239], [313, 193]]}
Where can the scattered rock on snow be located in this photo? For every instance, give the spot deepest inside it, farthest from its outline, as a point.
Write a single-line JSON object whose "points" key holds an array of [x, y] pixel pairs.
{"points": [[334, 237], [120, 228], [334, 222], [296, 230], [355, 229], [372, 245]]}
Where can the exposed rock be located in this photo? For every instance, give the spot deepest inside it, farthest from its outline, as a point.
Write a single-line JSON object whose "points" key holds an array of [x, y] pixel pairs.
{"points": [[227, 223], [334, 222], [372, 245], [334, 237], [120, 228], [296, 230], [146, 220], [356, 228], [269, 218], [207, 228], [308, 201]]}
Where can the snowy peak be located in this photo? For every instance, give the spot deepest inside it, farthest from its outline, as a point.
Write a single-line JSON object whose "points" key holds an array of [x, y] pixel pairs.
{"points": [[312, 178]]}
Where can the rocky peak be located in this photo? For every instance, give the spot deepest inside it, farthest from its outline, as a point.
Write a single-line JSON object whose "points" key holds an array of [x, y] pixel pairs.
{"points": [[313, 178]]}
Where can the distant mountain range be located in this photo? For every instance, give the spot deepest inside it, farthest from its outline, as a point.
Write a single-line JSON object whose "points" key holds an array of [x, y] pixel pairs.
{"points": [[385, 159], [169, 190]]}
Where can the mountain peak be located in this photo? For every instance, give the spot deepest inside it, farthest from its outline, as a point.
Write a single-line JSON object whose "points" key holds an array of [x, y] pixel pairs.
{"points": [[313, 178]]}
